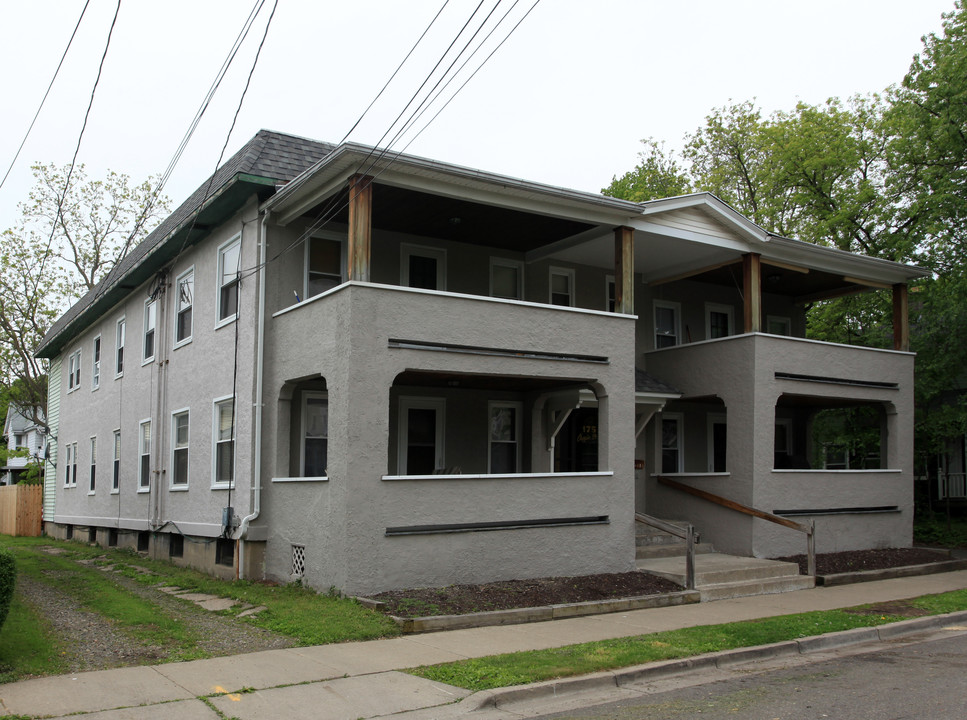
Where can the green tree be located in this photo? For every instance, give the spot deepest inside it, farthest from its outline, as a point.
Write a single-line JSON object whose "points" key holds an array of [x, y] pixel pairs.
{"points": [[657, 175], [66, 241]]}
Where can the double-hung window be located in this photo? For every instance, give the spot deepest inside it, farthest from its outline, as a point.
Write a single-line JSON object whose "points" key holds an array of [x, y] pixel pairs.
{"points": [[671, 443], [504, 438], [150, 325], [70, 464], [119, 349], [184, 300], [93, 464], [562, 287], [116, 474], [179, 449], [315, 442], [144, 452], [223, 457], [229, 257], [667, 324], [423, 267], [96, 364], [74, 371], [506, 279], [421, 435], [324, 265], [718, 321]]}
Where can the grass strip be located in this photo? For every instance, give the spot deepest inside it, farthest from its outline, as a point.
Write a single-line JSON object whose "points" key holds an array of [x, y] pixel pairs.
{"points": [[27, 645], [521, 668], [301, 613]]}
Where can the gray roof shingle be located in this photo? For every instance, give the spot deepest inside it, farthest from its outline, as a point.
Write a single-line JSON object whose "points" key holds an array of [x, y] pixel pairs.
{"points": [[649, 383]]}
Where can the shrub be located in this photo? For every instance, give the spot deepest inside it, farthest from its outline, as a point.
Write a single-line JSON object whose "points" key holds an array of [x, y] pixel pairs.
{"points": [[8, 578]]}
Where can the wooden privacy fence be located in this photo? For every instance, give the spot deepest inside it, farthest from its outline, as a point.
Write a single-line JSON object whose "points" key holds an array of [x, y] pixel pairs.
{"points": [[22, 510]]}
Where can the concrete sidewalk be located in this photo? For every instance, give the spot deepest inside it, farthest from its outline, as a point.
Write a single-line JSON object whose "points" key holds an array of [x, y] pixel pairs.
{"points": [[361, 680]]}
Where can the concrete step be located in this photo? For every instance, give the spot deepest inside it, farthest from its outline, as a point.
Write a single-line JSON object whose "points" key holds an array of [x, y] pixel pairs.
{"points": [[670, 550], [718, 575]]}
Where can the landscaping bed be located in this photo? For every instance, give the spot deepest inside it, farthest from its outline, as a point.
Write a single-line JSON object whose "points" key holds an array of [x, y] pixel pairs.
{"points": [[852, 561]]}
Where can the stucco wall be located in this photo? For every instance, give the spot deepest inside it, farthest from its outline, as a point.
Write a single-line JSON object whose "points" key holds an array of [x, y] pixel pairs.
{"points": [[344, 337]]}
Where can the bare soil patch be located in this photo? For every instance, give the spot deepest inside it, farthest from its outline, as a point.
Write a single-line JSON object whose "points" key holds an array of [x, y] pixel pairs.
{"points": [[857, 560], [510, 594], [896, 607]]}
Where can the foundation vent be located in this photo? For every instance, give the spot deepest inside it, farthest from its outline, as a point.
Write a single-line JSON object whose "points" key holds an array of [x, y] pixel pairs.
{"points": [[298, 560]]}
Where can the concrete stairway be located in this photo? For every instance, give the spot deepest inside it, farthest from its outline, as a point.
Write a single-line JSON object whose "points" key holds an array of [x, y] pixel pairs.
{"points": [[717, 575]]}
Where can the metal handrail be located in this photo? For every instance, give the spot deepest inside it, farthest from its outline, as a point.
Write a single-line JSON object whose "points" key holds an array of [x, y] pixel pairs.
{"points": [[688, 535], [809, 530]]}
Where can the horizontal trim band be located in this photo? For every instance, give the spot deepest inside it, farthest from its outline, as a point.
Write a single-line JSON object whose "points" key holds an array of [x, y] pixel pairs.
{"points": [[498, 525], [837, 381], [841, 511], [501, 352]]}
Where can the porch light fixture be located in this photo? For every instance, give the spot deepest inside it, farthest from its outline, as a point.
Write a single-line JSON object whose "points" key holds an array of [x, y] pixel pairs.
{"points": [[774, 279], [455, 220]]}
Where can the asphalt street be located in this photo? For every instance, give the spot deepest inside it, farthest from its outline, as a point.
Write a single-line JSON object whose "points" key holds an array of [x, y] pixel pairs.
{"points": [[923, 678]]}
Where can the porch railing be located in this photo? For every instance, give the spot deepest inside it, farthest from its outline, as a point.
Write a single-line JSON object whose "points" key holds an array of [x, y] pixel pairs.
{"points": [[952, 485], [687, 534], [809, 530]]}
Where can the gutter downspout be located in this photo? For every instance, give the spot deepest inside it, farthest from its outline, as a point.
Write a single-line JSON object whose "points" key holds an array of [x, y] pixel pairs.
{"points": [[259, 357]]}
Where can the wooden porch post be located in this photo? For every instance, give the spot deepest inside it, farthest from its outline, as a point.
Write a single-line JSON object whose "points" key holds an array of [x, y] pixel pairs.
{"points": [[624, 270], [901, 321], [360, 226], [752, 292]]}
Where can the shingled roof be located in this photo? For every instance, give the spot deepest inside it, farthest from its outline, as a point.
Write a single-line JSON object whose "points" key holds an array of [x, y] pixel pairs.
{"points": [[267, 160], [650, 384]]}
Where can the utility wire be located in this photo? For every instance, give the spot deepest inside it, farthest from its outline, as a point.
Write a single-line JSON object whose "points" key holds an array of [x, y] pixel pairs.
{"points": [[44, 100]]}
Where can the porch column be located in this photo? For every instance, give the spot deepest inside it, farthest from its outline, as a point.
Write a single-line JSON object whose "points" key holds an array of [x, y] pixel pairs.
{"points": [[752, 292], [624, 270], [901, 322], [360, 226]]}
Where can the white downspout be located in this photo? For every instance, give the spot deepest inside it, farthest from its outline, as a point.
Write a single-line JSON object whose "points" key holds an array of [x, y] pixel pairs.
{"points": [[259, 354]]}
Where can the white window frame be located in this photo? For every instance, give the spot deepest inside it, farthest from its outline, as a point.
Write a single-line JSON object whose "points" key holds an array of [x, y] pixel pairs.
{"points": [[517, 265], [610, 293], [70, 456], [179, 309], [92, 478], [175, 484], [713, 420], [675, 308], [144, 483], [220, 271], [518, 408], [343, 259], [116, 463], [306, 396], [216, 485], [120, 333], [726, 310], [781, 319], [74, 371], [679, 419], [563, 272], [96, 347], [408, 250], [787, 424], [426, 403], [150, 309]]}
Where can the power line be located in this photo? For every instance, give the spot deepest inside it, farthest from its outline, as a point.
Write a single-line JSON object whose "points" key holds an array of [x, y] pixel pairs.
{"points": [[44, 100]]}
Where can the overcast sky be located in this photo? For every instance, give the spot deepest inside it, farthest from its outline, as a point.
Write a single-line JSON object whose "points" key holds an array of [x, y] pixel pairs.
{"points": [[565, 101]]}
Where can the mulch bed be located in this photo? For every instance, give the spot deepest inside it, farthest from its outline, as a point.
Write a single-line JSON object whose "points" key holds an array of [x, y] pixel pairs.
{"points": [[463, 599], [510, 594], [856, 560]]}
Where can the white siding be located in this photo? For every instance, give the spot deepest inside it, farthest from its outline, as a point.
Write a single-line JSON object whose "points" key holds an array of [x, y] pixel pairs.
{"points": [[694, 220], [53, 416]]}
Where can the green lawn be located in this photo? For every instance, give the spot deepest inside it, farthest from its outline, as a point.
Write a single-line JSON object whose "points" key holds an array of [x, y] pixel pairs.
{"points": [[28, 646], [536, 665]]}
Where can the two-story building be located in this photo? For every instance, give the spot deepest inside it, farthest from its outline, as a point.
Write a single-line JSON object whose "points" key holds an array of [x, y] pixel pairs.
{"points": [[26, 444], [369, 370]]}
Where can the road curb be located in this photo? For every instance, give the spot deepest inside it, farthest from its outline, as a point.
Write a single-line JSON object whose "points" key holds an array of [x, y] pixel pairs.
{"points": [[499, 697], [891, 573]]}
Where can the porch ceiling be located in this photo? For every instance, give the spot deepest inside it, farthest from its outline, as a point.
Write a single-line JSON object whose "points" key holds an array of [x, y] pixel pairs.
{"points": [[423, 214]]}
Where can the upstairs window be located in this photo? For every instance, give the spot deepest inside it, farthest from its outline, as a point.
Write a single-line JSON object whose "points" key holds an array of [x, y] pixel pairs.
{"points": [[778, 325], [119, 352], [324, 264], [116, 475], [667, 324], [96, 364], [562, 287], [315, 443], [718, 321], [423, 267], [74, 371], [229, 257], [150, 323], [506, 279], [183, 304], [671, 443], [504, 427], [93, 464]]}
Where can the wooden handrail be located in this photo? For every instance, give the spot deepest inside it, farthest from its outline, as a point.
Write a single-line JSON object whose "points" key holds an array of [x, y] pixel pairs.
{"points": [[688, 535], [809, 530]]}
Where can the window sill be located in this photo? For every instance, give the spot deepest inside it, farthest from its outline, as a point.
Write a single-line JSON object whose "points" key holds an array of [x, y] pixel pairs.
{"points": [[178, 488], [143, 490], [181, 343], [223, 486], [147, 361], [227, 321], [321, 478], [115, 492], [90, 492]]}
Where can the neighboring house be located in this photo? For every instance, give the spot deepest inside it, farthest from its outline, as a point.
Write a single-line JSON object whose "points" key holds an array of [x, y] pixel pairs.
{"points": [[443, 375], [25, 444]]}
